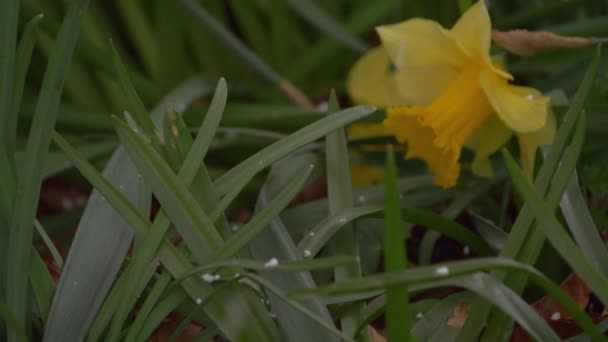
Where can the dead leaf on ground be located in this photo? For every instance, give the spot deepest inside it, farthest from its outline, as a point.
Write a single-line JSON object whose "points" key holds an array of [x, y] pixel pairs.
{"points": [[459, 315], [552, 312], [376, 335], [575, 288], [527, 43]]}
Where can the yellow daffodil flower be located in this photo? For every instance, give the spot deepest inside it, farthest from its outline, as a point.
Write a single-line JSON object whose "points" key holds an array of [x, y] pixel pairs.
{"points": [[443, 92]]}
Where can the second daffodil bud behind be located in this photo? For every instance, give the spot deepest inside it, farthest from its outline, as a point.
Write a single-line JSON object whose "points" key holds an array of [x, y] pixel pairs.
{"points": [[443, 92]]}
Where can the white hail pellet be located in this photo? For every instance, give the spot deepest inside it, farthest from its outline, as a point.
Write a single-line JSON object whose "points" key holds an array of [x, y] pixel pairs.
{"points": [[442, 270], [210, 278], [273, 262]]}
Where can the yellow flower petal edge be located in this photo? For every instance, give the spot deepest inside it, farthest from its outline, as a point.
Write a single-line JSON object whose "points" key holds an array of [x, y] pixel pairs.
{"points": [[474, 32], [363, 175], [437, 133], [403, 123], [369, 81], [523, 109], [530, 142], [421, 43], [485, 142]]}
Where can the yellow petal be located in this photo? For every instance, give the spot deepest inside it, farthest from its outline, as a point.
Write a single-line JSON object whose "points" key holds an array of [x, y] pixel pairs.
{"points": [[363, 175], [473, 31], [404, 124], [529, 142], [369, 82], [366, 130], [487, 140], [421, 85], [419, 43], [523, 109]]}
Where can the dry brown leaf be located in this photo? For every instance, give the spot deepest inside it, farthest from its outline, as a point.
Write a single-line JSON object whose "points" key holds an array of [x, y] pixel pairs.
{"points": [[575, 288], [528, 43], [167, 328], [459, 315], [551, 311], [376, 335]]}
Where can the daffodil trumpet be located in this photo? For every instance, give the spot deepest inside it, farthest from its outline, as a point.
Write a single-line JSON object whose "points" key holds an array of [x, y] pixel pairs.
{"points": [[443, 92]]}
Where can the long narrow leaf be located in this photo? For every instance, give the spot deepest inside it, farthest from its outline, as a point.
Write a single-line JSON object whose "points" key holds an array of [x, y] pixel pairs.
{"points": [[397, 312], [340, 196], [30, 181], [242, 173], [556, 234], [104, 233], [467, 274]]}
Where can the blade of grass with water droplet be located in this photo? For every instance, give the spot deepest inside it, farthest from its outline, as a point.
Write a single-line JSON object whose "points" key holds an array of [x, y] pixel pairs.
{"points": [[467, 274], [523, 233], [256, 225], [103, 235], [148, 249], [237, 177], [340, 196], [291, 321], [322, 321], [556, 234], [194, 225]]}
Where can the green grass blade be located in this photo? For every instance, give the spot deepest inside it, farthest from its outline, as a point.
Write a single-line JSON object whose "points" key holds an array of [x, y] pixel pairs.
{"points": [[240, 175], [519, 236], [431, 322], [213, 25], [259, 328], [49, 244], [359, 22], [104, 232], [397, 312], [319, 18], [9, 17], [22, 227], [261, 220], [24, 55], [196, 228], [500, 324], [148, 305], [300, 327], [11, 324], [43, 285], [160, 312], [328, 326], [147, 252], [318, 236], [459, 204], [305, 216], [340, 196], [138, 110], [141, 34], [582, 226], [556, 234], [282, 266], [466, 274]]}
